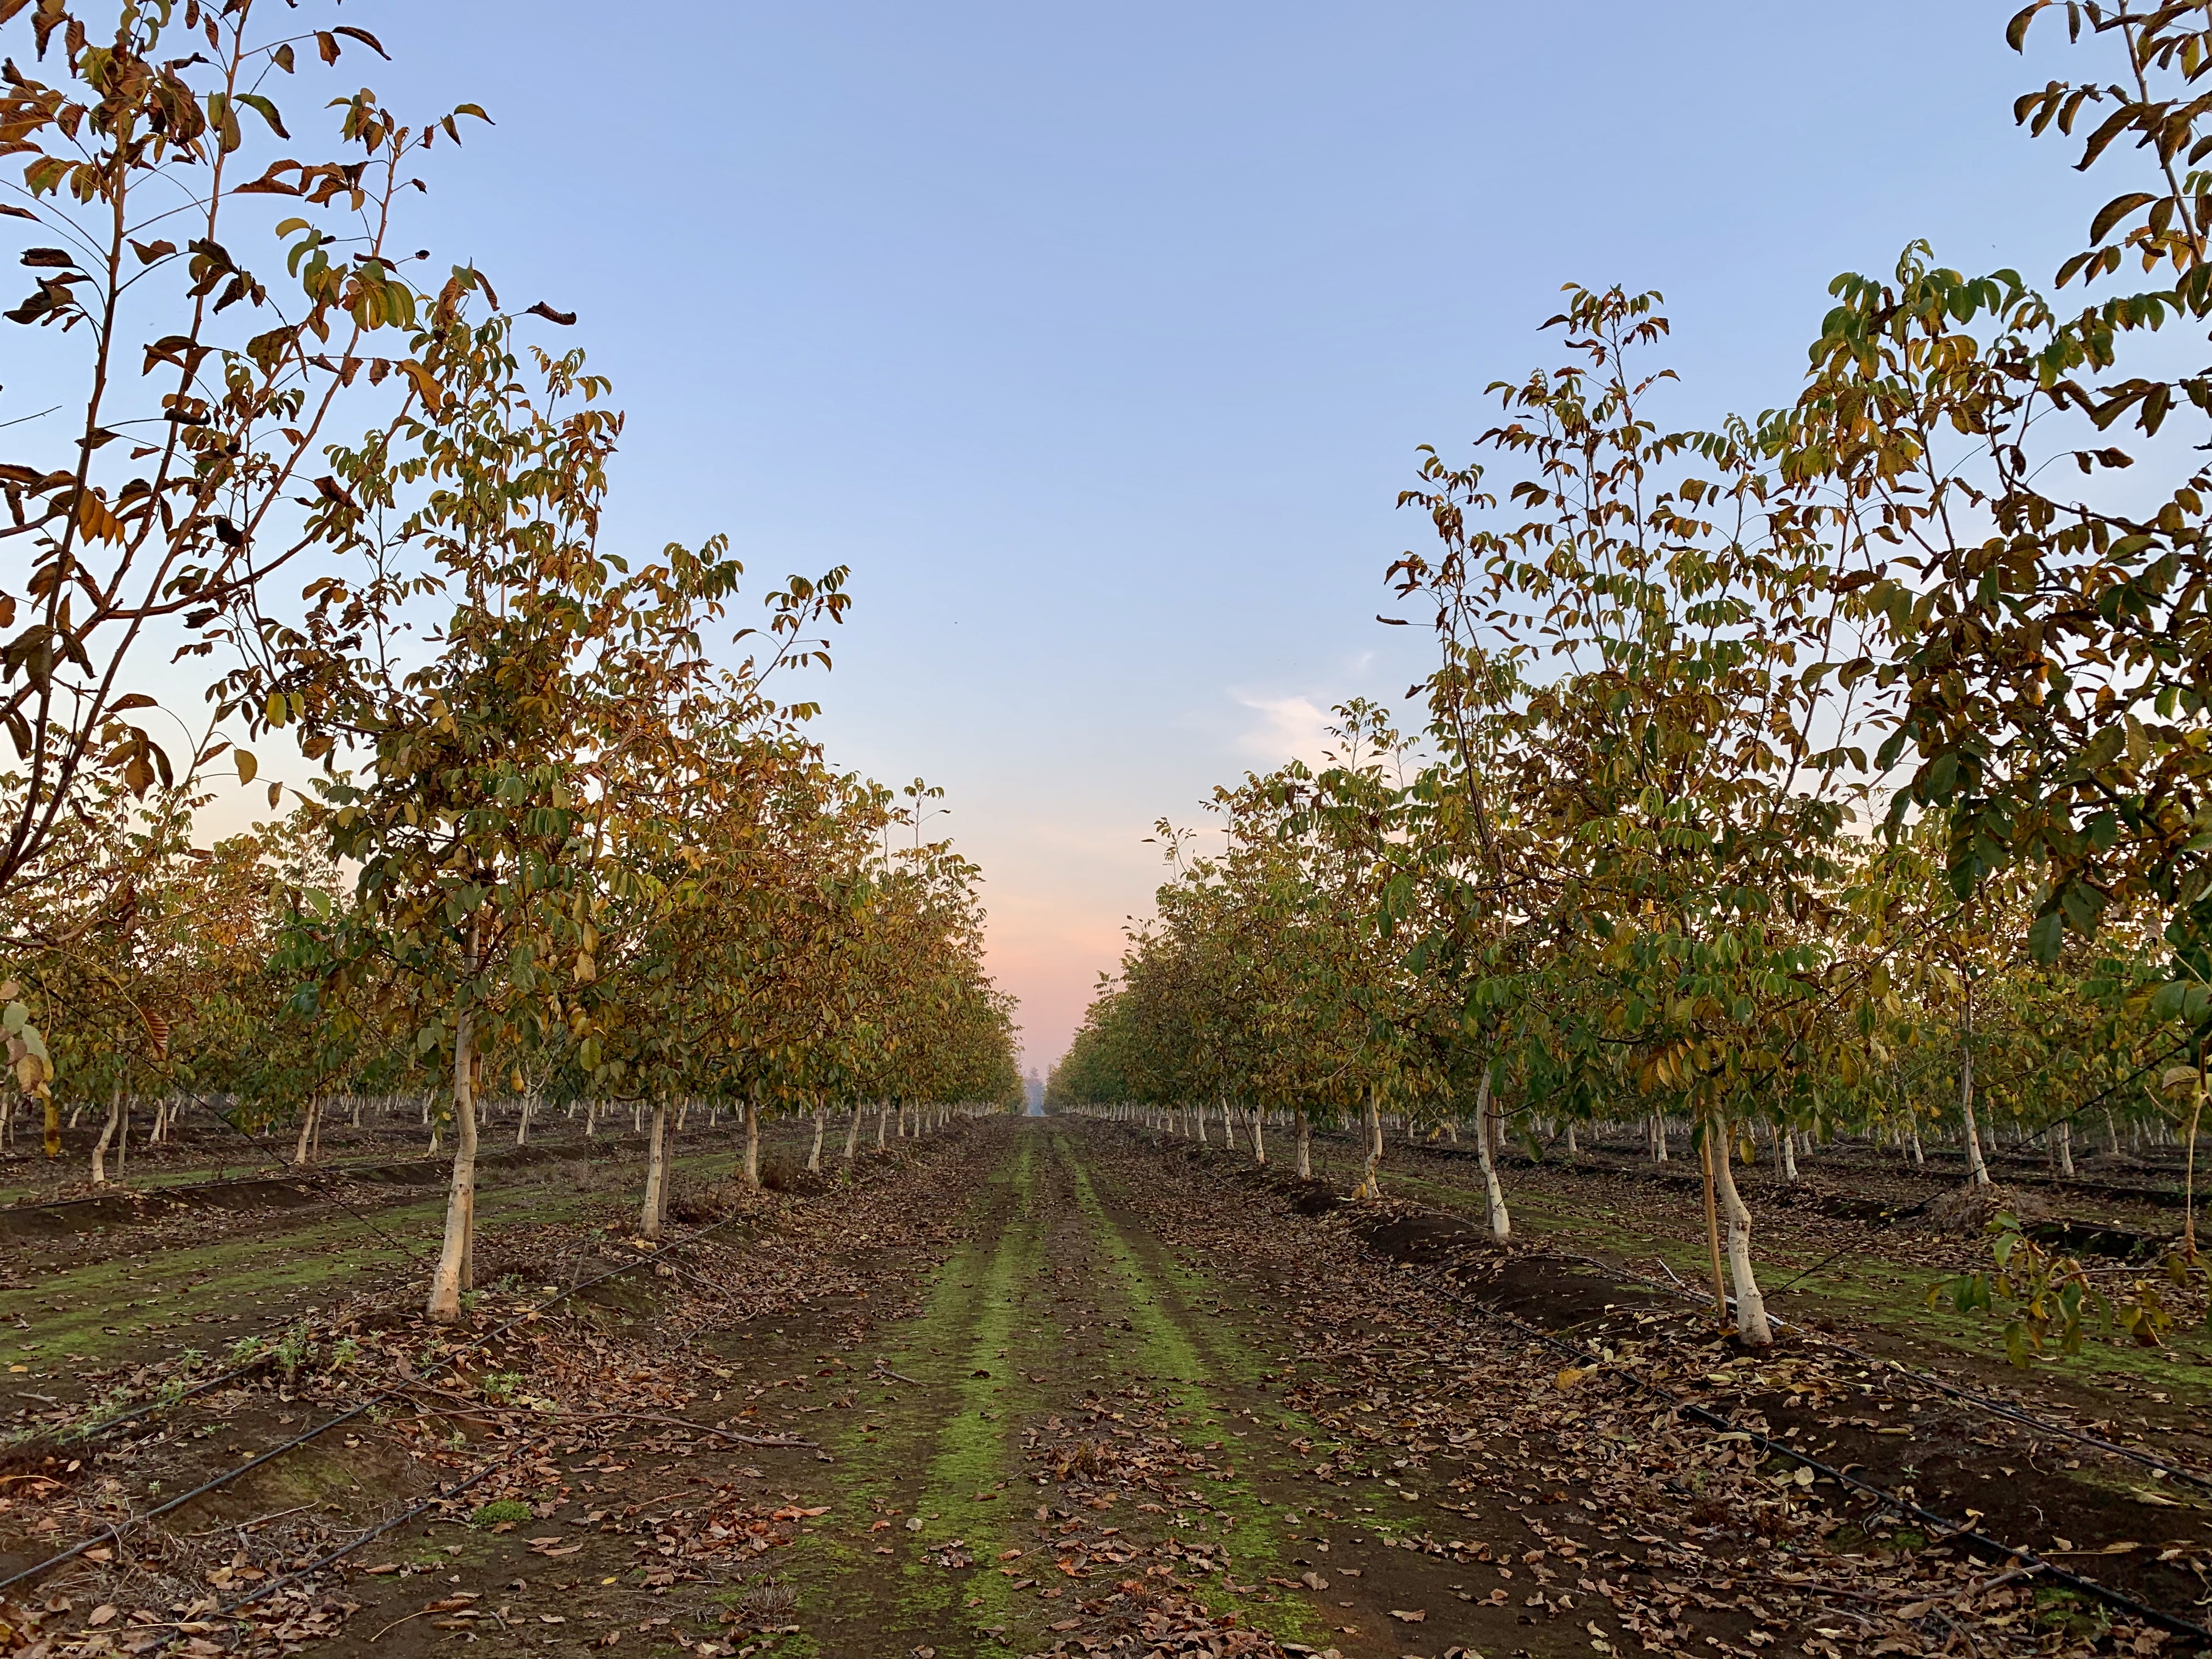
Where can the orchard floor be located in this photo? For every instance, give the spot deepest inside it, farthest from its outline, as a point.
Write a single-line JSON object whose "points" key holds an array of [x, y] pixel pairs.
{"points": [[1051, 1386]]}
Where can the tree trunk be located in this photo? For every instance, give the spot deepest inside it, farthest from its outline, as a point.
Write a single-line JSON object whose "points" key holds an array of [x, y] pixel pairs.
{"points": [[853, 1137], [1977, 1172], [1750, 1306], [123, 1135], [752, 1142], [1570, 1138], [1258, 1137], [1789, 1154], [305, 1151], [2189, 1166], [452, 1274], [656, 1174], [1659, 1137], [1704, 1134], [1501, 1223], [107, 1133], [1370, 1174], [522, 1123], [821, 1129], [1304, 1138], [1920, 1157], [882, 1126]]}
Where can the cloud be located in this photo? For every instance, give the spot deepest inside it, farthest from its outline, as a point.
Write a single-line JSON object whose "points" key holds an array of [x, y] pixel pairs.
{"points": [[1288, 728]]}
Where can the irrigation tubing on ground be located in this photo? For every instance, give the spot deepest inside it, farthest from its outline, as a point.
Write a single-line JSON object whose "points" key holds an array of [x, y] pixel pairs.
{"points": [[115, 1531], [1995, 1407], [2171, 1623], [445, 1495], [107, 1425]]}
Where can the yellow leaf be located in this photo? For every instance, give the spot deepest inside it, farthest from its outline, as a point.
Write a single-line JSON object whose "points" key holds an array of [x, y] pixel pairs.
{"points": [[95, 520]]}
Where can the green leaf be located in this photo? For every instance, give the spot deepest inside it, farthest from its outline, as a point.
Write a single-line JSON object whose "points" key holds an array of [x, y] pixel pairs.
{"points": [[267, 111], [2046, 937]]}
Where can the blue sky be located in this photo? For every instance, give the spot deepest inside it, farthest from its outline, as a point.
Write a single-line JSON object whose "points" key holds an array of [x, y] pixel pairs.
{"points": [[1099, 339]]}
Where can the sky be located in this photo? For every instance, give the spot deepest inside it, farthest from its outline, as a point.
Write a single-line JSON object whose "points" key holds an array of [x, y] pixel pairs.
{"points": [[1098, 340]]}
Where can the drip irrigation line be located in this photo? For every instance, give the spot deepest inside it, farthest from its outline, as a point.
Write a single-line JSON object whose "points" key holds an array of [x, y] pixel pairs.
{"points": [[444, 1496], [1951, 1528], [1995, 1407], [114, 1532], [331, 1557], [2033, 1563], [109, 1425]]}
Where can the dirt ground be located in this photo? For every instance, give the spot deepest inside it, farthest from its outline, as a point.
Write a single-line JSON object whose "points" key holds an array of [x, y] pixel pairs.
{"points": [[1035, 1387]]}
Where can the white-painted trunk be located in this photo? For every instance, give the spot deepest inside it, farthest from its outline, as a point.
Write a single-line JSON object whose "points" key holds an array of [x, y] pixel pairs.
{"points": [[1304, 1131], [1977, 1172], [2065, 1137], [1750, 1305], [455, 1253], [821, 1130], [656, 1175], [853, 1137], [1371, 1174], [106, 1134], [1501, 1223]]}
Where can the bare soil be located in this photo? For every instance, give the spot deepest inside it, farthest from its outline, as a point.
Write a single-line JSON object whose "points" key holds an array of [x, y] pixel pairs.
{"points": [[1051, 1387]]}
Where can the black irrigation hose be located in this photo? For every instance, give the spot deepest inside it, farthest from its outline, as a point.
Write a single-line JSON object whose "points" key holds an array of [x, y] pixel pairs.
{"points": [[114, 1532], [1984, 1402], [109, 1425], [1995, 1407], [2119, 1599], [331, 1557]]}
